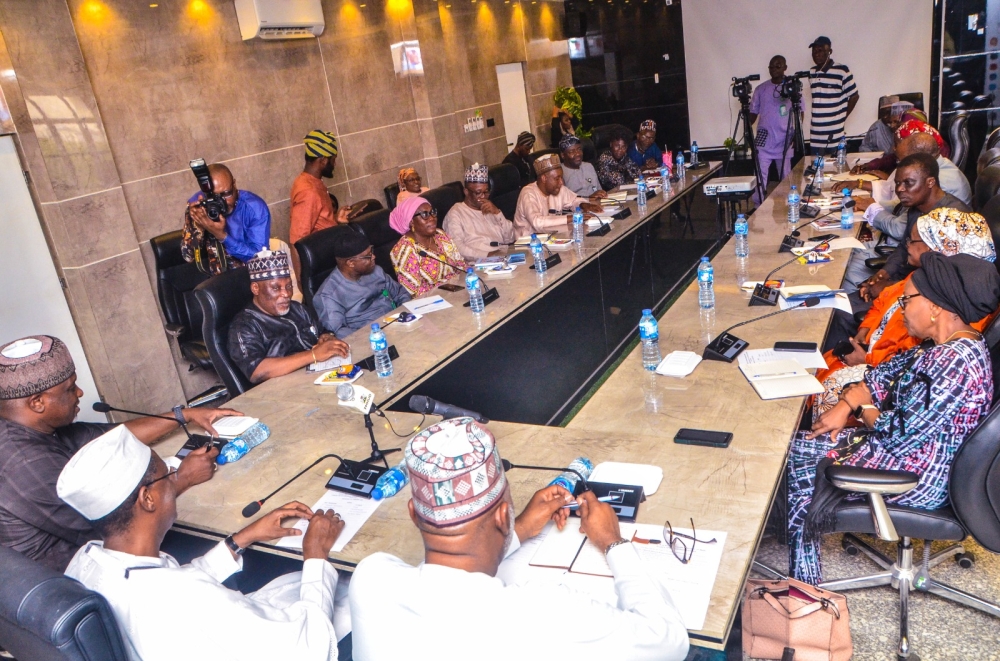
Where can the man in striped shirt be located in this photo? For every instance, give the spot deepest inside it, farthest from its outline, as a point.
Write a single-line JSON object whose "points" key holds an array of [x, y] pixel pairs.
{"points": [[834, 96]]}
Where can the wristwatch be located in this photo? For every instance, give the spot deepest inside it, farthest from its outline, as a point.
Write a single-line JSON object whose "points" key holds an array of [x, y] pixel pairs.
{"points": [[618, 543], [179, 414], [233, 546], [860, 410]]}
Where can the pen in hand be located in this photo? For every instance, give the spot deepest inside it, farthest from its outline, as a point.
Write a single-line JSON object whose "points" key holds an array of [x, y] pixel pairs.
{"points": [[602, 499]]}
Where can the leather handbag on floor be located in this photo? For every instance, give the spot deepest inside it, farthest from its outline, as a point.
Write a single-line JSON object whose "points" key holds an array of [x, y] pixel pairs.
{"points": [[790, 613]]}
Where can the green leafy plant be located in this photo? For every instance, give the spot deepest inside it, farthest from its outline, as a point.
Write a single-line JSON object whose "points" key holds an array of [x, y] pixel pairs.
{"points": [[569, 100]]}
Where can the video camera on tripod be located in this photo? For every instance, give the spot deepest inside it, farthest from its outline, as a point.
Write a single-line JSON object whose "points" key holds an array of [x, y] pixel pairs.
{"points": [[742, 88], [791, 86], [212, 202]]}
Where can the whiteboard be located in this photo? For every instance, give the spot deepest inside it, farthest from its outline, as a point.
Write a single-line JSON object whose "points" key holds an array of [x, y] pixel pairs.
{"points": [[36, 304], [886, 44]]}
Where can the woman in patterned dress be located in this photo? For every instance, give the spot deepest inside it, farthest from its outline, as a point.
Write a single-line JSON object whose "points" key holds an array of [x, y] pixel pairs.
{"points": [[614, 167], [416, 220], [916, 408], [946, 231]]}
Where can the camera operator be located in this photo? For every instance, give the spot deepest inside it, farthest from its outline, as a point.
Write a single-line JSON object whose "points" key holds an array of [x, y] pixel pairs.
{"points": [[772, 109], [235, 236]]}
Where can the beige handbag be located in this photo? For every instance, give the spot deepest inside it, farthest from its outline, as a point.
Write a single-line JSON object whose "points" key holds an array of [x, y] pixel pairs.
{"points": [[779, 614]]}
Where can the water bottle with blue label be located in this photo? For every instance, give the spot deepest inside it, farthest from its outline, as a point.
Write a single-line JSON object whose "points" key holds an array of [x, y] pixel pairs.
{"points": [[842, 153], [706, 284], [694, 153], [239, 446], [391, 481], [475, 287], [846, 211], [679, 163], [640, 193], [567, 480], [536, 254], [794, 206], [380, 347], [818, 179], [578, 226], [649, 335], [742, 230]]}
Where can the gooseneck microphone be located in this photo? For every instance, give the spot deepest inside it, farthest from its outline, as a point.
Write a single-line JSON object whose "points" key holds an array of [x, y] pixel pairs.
{"points": [[424, 253], [763, 294], [508, 466], [428, 406], [254, 507], [497, 244], [195, 440], [726, 347], [792, 240]]}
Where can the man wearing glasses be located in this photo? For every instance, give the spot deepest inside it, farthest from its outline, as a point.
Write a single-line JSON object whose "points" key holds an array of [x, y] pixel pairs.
{"points": [[232, 239], [475, 223], [357, 292]]}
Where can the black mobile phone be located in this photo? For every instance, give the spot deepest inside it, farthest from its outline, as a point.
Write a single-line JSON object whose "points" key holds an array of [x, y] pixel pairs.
{"points": [[823, 237], [713, 439], [807, 347], [369, 362], [448, 287], [845, 347]]}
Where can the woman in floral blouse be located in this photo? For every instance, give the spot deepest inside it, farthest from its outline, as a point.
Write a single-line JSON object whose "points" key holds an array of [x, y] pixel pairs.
{"points": [[614, 167], [416, 220]]}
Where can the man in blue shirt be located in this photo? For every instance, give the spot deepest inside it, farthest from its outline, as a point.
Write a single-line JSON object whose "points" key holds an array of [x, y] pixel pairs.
{"points": [[643, 151], [235, 237]]}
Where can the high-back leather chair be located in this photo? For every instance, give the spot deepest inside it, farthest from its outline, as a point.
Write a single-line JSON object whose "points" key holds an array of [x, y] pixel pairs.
{"points": [[175, 283], [444, 197], [46, 616], [958, 136], [221, 298], [391, 193], [364, 206], [601, 135], [992, 142], [505, 188], [987, 184]]}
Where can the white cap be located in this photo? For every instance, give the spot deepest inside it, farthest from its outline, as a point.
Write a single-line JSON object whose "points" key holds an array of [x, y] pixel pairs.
{"points": [[103, 473]]}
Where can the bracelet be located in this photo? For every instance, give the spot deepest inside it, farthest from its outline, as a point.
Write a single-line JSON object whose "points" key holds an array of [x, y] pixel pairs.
{"points": [[614, 544], [313, 352]]}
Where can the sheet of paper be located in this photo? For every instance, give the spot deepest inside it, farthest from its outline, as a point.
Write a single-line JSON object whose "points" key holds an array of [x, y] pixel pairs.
{"points": [[809, 360], [842, 243], [354, 510], [591, 560], [331, 364], [526, 240], [774, 369], [234, 425], [559, 547], [428, 304], [646, 475], [678, 363], [840, 302]]}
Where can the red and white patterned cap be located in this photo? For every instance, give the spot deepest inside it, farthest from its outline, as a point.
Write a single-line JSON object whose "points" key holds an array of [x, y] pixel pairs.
{"points": [[455, 471]]}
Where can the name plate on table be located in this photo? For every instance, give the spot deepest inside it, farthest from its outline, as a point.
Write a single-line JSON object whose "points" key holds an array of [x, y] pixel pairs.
{"points": [[550, 261], [489, 295]]}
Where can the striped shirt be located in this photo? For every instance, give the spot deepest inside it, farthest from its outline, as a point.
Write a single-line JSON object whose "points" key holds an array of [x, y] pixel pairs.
{"points": [[830, 91]]}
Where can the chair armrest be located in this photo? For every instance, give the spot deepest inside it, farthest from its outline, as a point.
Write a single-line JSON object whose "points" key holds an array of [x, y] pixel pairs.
{"points": [[869, 480], [885, 250], [876, 263], [174, 330]]}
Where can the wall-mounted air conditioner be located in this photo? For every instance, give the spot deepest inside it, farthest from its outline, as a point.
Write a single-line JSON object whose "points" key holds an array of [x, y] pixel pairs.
{"points": [[280, 19]]}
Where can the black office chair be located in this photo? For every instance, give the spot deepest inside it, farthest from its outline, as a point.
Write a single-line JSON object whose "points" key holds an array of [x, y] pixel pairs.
{"points": [[46, 616], [958, 136], [364, 206], [505, 188], [601, 135], [221, 298], [444, 197], [175, 283], [987, 184], [391, 193]]}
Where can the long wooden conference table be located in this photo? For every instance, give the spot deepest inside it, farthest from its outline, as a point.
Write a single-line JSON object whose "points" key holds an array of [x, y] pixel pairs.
{"points": [[631, 417]]}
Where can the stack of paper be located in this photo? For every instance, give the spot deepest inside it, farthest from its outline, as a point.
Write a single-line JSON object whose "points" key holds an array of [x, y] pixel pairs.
{"points": [[678, 363], [780, 378], [526, 240], [333, 363], [808, 359], [425, 305], [353, 510], [234, 425]]}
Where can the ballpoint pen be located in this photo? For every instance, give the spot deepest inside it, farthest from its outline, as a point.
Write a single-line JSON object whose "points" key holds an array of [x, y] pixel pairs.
{"points": [[602, 499]]}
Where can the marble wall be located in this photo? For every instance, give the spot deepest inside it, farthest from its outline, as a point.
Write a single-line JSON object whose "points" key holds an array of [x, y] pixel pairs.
{"points": [[111, 99]]}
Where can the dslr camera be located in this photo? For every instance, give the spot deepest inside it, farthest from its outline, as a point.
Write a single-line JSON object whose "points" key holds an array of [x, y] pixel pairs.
{"points": [[212, 203], [791, 86], [742, 87]]}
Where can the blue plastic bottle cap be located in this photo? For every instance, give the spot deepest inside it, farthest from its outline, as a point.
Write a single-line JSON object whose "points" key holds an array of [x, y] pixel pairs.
{"points": [[647, 311], [469, 270], [846, 191], [375, 327], [534, 236], [704, 259]]}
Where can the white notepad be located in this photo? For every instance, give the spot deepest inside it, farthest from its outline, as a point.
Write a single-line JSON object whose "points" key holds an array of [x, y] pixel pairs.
{"points": [[780, 379]]}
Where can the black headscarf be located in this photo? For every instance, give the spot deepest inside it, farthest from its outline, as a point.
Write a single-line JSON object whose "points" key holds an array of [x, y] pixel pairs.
{"points": [[963, 284]]}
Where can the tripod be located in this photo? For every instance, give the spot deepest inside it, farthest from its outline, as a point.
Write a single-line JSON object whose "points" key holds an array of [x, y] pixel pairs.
{"points": [[793, 133], [748, 139], [377, 454]]}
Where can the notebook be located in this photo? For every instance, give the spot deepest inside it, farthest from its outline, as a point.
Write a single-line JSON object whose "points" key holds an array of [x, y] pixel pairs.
{"points": [[781, 378]]}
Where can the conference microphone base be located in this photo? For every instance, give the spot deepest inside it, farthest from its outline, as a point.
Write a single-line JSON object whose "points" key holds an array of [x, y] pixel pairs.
{"points": [[790, 242], [356, 477], [724, 348], [489, 296], [600, 231], [809, 211], [763, 295], [197, 441], [550, 261]]}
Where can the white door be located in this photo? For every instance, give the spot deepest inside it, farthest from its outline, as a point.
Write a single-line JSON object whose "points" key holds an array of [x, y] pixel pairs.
{"points": [[35, 305], [513, 100]]}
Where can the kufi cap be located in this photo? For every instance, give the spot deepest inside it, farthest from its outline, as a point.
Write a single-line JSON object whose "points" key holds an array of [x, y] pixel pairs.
{"points": [[103, 473], [567, 141], [32, 365], [648, 125], [526, 139], [547, 162], [320, 143], [950, 232], [349, 243], [963, 284], [477, 174], [821, 41], [267, 265], [455, 472]]}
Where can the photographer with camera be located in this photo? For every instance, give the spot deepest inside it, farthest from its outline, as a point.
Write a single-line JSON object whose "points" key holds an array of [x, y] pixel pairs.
{"points": [[223, 227], [773, 110]]}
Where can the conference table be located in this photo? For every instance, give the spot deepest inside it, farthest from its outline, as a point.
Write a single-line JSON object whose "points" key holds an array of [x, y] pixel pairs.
{"points": [[630, 415]]}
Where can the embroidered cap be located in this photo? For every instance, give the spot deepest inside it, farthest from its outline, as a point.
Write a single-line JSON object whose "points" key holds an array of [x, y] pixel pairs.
{"points": [[267, 265], [477, 174], [32, 365], [547, 162]]}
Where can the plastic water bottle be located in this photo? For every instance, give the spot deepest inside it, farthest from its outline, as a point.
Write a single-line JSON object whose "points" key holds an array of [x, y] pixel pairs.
{"points": [[742, 230], [706, 284], [383, 363], [578, 226], [567, 480], [239, 446], [649, 335], [665, 171], [536, 254], [391, 481], [679, 163], [842, 153], [794, 205], [818, 179], [694, 153], [640, 193], [846, 213], [475, 287]]}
